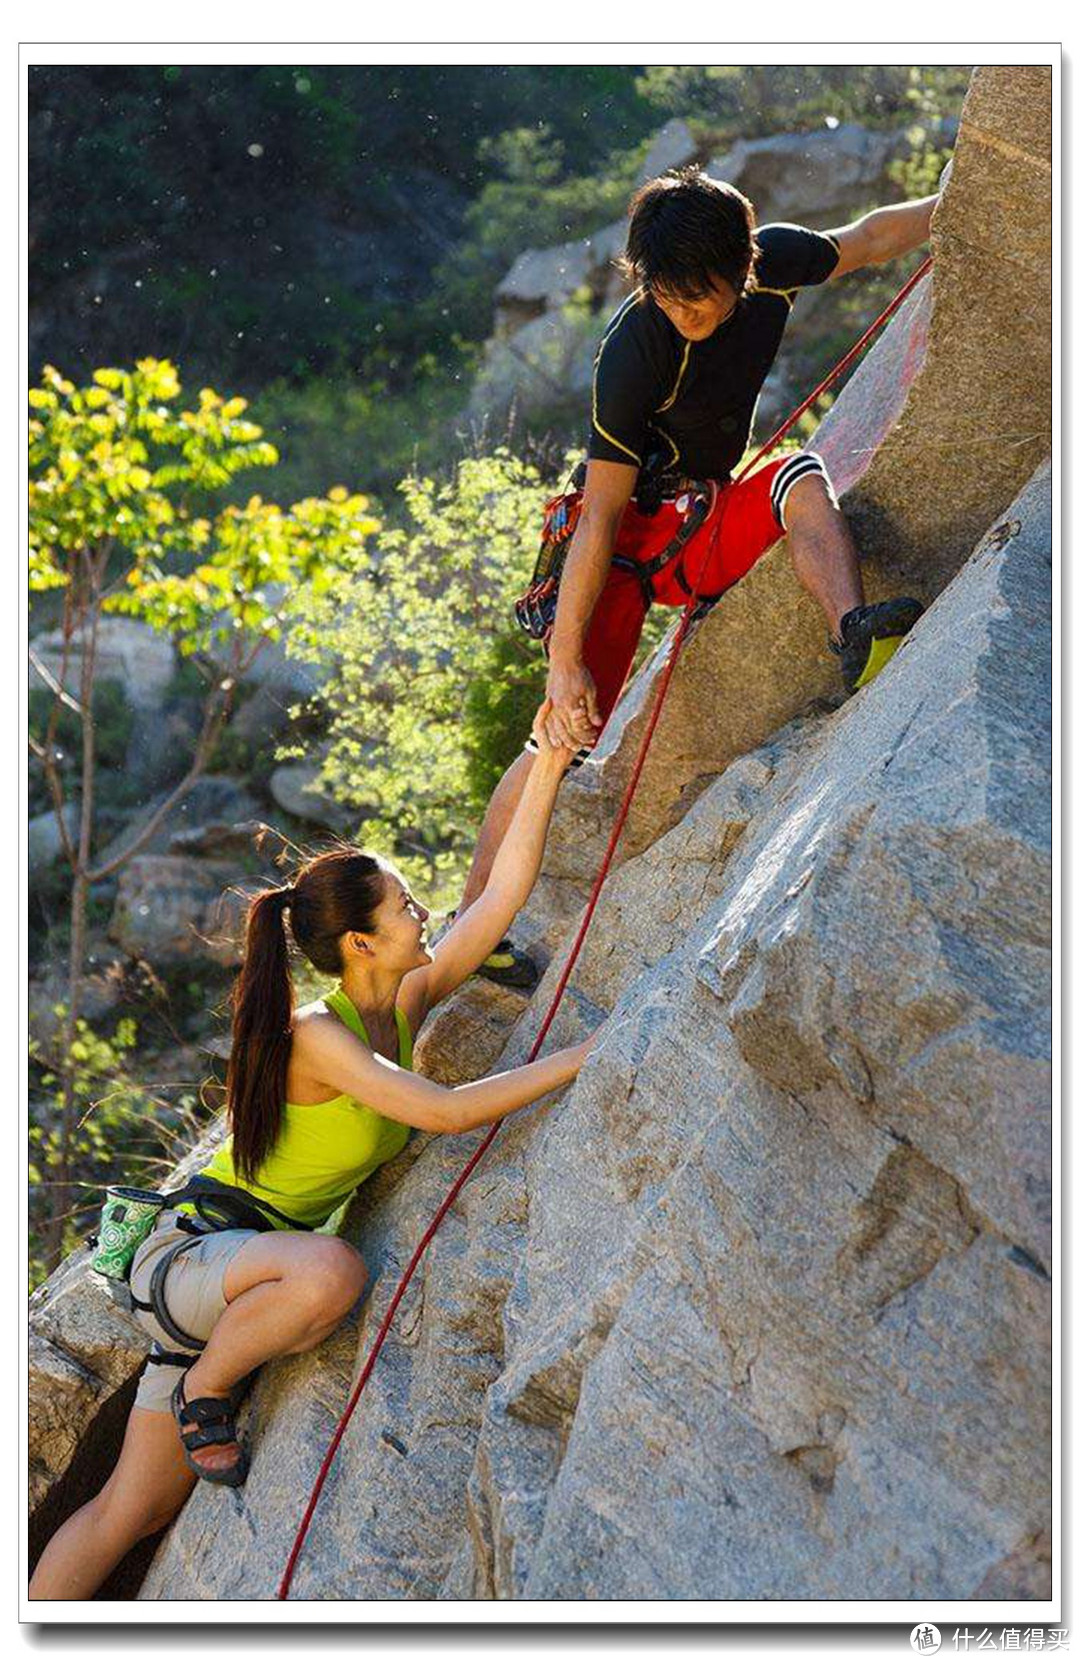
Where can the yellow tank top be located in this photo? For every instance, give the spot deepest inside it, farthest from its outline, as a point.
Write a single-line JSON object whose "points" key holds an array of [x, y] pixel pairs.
{"points": [[323, 1151]]}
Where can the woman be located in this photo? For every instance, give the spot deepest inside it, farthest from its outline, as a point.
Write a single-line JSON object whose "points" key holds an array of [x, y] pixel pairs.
{"points": [[318, 1098]]}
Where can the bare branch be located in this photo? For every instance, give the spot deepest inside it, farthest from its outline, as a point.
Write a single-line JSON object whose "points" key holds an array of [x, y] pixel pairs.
{"points": [[51, 683], [214, 720]]}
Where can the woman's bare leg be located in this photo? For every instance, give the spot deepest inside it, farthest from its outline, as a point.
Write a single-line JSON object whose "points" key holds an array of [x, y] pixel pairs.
{"points": [[286, 1292], [143, 1494]]}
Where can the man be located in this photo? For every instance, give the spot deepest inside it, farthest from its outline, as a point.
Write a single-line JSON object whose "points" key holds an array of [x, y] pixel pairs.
{"points": [[676, 379]]}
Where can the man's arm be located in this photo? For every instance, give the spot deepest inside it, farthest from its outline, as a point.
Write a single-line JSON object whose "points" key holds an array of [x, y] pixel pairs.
{"points": [[882, 235], [608, 489]]}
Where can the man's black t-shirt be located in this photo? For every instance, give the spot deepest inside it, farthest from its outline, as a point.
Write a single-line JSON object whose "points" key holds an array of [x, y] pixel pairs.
{"points": [[690, 404]]}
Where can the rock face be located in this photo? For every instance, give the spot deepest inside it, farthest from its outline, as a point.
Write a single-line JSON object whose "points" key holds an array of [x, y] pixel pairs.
{"points": [[760, 1309], [894, 442]]}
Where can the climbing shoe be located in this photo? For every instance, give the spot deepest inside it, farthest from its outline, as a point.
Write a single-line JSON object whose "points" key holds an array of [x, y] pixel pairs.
{"points": [[505, 964], [870, 636]]}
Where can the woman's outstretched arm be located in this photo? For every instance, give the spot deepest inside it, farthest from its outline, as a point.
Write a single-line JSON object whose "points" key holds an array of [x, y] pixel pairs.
{"points": [[475, 933], [343, 1062]]}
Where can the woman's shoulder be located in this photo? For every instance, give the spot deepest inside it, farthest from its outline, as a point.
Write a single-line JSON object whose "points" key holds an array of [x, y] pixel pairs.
{"points": [[312, 1028], [313, 1024]]}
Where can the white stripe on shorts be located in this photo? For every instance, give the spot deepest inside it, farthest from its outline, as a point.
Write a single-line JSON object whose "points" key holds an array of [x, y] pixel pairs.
{"points": [[796, 468]]}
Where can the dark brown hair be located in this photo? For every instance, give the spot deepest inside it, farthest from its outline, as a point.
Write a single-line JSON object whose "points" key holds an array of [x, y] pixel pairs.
{"points": [[687, 230], [335, 893]]}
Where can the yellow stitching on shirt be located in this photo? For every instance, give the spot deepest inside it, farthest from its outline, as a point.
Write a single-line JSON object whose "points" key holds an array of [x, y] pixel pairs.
{"points": [[761, 289], [609, 332], [666, 406]]}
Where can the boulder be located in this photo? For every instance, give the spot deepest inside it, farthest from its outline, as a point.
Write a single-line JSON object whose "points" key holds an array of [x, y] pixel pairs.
{"points": [[171, 910], [293, 788], [43, 840], [102, 991], [760, 1309], [545, 277], [135, 655], [220, 800], [831, 169], [672, 147], [545, 366]]}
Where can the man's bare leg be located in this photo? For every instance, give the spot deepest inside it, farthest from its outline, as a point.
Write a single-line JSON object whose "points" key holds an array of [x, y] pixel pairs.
{"points": [[822, 549], [497, 818]]}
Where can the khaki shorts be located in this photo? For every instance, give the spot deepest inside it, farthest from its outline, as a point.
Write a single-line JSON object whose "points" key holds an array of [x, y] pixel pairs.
{"points": [[193, 1296]]}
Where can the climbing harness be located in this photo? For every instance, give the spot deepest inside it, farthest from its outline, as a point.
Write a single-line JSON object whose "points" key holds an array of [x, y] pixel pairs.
{"points": [[682, 507], [130, 1214], [590, 908]]}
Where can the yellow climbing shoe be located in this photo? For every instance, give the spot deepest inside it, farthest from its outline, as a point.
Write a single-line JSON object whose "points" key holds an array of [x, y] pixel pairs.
{"points": [[870, 636]]}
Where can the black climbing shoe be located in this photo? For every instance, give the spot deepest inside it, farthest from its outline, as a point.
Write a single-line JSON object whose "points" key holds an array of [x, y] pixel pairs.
{"points": [[870, 636], [505, 965], [510, 967]]}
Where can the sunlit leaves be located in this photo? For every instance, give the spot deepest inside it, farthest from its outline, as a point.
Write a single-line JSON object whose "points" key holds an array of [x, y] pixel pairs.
{"points": [[408, 627], [109, 463]]}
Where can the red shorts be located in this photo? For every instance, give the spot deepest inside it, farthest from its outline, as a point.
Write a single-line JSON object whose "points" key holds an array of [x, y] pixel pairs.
{"points": [[752, 512]]}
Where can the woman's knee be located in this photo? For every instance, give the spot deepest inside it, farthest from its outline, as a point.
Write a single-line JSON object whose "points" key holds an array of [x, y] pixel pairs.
{"points": [[332, 1279]]}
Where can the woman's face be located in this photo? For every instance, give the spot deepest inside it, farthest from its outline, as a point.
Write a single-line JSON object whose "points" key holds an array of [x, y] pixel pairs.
{"points": [[401, 922]]}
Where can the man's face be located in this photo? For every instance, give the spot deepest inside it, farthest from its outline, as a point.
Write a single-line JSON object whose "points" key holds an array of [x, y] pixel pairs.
{"points": [[696, 319]]}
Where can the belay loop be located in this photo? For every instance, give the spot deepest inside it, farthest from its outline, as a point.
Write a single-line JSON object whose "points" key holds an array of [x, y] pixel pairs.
{"points": [[590, 908]]}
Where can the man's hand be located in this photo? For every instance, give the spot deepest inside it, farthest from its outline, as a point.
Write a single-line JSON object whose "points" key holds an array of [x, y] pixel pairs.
{"points": [[573, 719], [545, 746]]}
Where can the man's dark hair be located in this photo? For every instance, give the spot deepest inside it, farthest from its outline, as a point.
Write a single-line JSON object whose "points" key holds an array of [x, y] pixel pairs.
{"points": [[687, 230]]}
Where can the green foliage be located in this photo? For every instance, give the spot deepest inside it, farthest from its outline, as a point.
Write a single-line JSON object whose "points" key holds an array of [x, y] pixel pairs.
{"points": [[917, 175], [745, 101], [409, 630], [500, 704], [330, 426], [108, 463], [116, 1133], [224, 203]]}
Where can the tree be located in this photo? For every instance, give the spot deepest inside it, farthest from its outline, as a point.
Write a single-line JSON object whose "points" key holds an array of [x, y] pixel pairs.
{"points": [[113, 466], [411, 629]]}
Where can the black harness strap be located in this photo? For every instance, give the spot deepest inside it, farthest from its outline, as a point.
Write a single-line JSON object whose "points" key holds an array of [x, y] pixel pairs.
{"points": [[225, 1207], [221, 1208], [157, 1296], [158, 1356]]}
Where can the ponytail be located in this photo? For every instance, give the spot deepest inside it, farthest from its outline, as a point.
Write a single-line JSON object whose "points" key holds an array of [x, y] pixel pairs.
{"points": [[261, 1034], [337, 892]]}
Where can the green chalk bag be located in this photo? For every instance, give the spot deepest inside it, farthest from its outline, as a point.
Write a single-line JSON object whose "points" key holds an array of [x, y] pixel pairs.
{"points": [[127, 1219]]}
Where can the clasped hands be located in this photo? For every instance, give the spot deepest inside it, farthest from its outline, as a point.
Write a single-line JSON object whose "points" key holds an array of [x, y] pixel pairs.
{"points": [[570, 715]]}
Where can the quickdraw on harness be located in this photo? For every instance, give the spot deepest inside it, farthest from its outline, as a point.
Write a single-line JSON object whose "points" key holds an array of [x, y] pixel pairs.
{"points": [[695, 499], [128, 1217], [590, 908]]}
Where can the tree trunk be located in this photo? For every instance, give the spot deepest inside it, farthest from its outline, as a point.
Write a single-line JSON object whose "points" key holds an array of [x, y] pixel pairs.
{"points": [[63, 1191]]}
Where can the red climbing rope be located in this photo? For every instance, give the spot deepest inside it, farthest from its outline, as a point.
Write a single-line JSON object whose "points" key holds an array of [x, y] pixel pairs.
{"points": [[590, 909]]}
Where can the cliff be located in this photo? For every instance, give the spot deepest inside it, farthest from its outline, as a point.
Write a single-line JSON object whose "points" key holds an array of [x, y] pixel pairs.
{"points": [[760, 1308]]}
